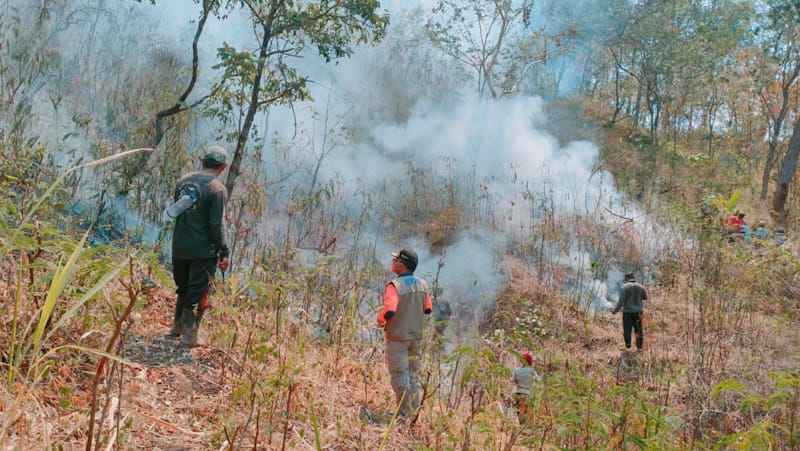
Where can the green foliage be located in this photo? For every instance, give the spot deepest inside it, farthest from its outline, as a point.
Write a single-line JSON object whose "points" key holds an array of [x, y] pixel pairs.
{"points": [[253, 81], [728, 205], [698, 159], [282, 306], [48, 267], [775, 414], [24, 64], [23, 170], [497, 42], [529, 325]]}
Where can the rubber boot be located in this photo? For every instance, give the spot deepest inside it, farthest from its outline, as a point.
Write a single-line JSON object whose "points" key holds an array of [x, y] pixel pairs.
{"points": [[189, 325], [198, 318], [176, 330]]}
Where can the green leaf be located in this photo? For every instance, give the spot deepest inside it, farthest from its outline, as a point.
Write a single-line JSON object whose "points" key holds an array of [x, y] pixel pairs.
{"points": [[730, 385], [638, 441], [60, 279], [86, 296]]}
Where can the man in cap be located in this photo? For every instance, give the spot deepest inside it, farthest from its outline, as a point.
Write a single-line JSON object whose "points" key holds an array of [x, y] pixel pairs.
{"points": [[630, 300], [406, 298], [198, 243], [524, 377]]}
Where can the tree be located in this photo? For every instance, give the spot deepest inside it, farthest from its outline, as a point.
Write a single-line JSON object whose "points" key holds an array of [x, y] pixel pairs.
{"points": [[495, 40], [284, 30], [25, 61], [777, 76], [785, 176], [208, 6], [668, 60], [709, 69], [253, 80]]}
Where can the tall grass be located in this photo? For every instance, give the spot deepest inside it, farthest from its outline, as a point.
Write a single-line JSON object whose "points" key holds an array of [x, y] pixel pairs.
{"points": [[32, 346]]}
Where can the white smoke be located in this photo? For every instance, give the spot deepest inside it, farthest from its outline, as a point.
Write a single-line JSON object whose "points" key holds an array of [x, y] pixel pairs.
{"points": [[500, 148], [500, 158]]}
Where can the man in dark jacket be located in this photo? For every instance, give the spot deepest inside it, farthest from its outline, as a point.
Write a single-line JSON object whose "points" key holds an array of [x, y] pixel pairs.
{"points": [[405, 300], [630, 300], [198, 243]]}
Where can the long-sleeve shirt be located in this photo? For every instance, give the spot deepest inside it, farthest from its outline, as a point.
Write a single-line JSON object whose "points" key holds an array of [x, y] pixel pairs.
{"points": [[199, 231], [631, 296]]}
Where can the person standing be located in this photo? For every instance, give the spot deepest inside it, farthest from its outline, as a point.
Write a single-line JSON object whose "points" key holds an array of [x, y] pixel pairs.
{"points": [[405, 300], [630, 300], [198, 243], [524, 377]]}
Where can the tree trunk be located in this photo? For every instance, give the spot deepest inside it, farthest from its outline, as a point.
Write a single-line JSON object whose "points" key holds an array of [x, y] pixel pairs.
{"points": [[773, 156], [769, 165], [788, 169], [235, 169]]}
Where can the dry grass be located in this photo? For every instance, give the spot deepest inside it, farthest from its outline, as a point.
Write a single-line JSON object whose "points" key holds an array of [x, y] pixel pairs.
{"points": [[174, 398]]}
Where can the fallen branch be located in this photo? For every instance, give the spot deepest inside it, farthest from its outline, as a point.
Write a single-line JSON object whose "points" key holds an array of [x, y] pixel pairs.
{"points": [[627, 219], [170, 425]]}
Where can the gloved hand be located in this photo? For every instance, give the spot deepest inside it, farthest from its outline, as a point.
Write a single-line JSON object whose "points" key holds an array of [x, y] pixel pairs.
{"points": [[223, 264]]}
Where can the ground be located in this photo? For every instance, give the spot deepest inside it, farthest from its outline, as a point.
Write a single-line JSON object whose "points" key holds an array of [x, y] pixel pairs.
{"points": [[178, 398]]}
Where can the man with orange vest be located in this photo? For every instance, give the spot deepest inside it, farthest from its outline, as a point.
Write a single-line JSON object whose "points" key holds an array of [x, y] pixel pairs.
{"points": [[405, 300]]}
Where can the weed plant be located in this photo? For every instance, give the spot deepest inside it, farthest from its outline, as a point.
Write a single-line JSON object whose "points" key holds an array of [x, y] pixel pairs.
{"points": [[298, 361]]}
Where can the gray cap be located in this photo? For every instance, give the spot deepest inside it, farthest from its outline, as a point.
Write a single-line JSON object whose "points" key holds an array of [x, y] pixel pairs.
{"points": [[215, 154]]}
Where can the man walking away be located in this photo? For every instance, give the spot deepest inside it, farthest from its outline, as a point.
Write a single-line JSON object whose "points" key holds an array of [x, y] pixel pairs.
{"points": [[198, 243], [630, 300], [405, 300], [524, 377]]}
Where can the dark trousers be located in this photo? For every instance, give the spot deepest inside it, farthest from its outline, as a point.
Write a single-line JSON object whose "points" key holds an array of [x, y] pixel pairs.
{"points": [[192, 278], [632, 321]]}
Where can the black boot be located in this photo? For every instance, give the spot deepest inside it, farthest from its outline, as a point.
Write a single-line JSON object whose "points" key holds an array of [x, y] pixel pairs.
{"points": [[189, 325], [176, 330]]}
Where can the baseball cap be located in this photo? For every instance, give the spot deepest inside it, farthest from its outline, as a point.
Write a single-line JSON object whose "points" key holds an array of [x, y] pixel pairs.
{"points": [[215, 154], [408, 257], [528, 358]]}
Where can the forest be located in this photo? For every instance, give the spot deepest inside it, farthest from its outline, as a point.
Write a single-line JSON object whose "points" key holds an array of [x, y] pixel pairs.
{"points": [[531, 152]]}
